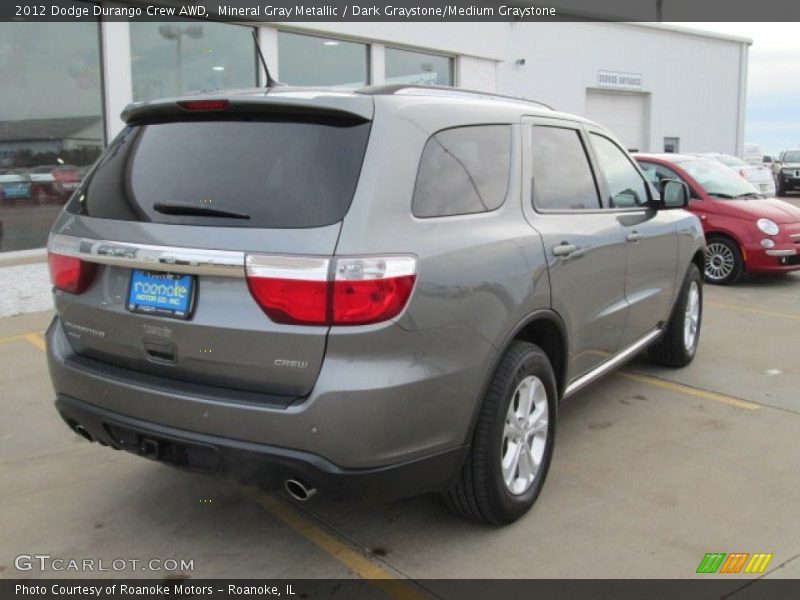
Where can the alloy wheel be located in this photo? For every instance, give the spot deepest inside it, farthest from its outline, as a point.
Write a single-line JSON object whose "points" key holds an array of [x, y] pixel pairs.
{"points": [[691, 319], [525, 435]]}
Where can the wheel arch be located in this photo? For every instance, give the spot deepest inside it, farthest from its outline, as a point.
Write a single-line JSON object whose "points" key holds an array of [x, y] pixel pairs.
{"points": [[546, 329]]}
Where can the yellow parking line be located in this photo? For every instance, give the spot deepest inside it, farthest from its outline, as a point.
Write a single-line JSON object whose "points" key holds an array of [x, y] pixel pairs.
{"points": [[757, 311], [689, 390], [34, 337], [13, 338], [342, 552], [37, 339]]}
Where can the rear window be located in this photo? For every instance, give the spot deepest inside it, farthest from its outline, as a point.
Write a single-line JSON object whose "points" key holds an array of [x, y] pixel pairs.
{"points": [[274, 173], [463, 170]]}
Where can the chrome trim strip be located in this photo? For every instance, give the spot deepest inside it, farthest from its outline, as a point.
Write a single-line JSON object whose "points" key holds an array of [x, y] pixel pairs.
{"points": [[192, 261], [791, 252], [612, 363], [794, 235]]}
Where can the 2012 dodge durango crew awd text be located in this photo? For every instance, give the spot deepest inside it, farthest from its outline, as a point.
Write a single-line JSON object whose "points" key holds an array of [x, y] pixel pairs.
{"points": [[375, 293]]}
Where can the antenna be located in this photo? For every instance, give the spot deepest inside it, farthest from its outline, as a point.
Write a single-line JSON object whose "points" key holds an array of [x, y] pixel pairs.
{"points": [[270, 81]]}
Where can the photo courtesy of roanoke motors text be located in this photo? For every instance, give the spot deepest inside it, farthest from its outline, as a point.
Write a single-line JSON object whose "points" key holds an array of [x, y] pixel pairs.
{"points": [[399, 299]]}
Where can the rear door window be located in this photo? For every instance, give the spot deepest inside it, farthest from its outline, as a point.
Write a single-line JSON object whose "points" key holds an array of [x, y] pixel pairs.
{"points": [[463, 170], [274, 173], [562, 176]]}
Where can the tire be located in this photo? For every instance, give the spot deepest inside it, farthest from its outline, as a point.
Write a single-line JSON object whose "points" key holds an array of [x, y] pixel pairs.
{"points": [[678, 345], [481, 492], [780, 189], [724, 262]]}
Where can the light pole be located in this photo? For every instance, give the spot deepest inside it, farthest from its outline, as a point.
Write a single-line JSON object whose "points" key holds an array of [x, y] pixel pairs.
{"points": [[175, 33]]}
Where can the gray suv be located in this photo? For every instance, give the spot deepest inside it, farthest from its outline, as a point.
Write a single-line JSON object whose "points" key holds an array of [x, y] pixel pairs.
{"points": [[372, 294]]}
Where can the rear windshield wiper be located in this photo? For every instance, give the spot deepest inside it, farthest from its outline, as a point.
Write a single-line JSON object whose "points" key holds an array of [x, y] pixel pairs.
{"points": [[198, 210]]}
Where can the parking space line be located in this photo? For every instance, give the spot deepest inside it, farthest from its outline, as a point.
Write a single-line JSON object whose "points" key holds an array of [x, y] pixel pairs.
{"points": [[757, 311], [341, 551], [37, 339], [34, 337], [689, 390]]}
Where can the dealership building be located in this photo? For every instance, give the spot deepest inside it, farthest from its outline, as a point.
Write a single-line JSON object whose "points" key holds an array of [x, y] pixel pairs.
{"points": [[658, 88]]}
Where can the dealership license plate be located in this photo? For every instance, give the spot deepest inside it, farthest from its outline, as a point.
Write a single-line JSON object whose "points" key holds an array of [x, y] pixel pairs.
{"points": [[164, 294]]}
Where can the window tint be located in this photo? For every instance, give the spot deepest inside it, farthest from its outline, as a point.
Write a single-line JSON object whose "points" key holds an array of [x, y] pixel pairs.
{"points": [[625, 186], [280, 173], [463, 170], [562, 177]]}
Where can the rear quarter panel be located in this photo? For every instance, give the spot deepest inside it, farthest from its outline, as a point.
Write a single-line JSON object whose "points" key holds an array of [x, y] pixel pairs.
{"points": [[478, 275]]}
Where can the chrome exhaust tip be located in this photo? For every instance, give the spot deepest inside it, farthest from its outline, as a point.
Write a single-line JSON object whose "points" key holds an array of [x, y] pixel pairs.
{"points": [[299, 490], [83, 433]]}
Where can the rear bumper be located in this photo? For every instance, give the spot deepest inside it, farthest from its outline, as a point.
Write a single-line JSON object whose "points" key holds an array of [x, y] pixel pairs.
{"points": [[399, 427], [258, 464]]}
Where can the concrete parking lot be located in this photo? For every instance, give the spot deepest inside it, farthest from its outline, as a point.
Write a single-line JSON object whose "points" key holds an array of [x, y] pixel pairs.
{"points": [[653, 468]]}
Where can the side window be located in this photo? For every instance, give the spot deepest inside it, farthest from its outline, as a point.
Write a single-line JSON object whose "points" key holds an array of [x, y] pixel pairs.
{"points": [[626, 187], [657, 173], [463, 170], [562, 175]]}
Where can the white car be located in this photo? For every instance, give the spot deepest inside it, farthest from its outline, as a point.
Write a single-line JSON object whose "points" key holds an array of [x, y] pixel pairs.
{"points": [[752, 154], [758, 175]]}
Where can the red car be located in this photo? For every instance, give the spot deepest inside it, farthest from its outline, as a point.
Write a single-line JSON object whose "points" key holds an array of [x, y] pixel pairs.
{"points": [[54, 183], [745, 231]]}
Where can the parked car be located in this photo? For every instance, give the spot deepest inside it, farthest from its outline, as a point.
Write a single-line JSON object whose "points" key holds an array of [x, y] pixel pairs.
{"points": [[767, 162], [752, 154], [376, 293], [758, 175], [54, 183], [746, 232], [787, 171], [15, 184]]}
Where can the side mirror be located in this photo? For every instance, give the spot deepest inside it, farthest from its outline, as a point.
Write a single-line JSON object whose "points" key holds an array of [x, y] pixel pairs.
{"points": [[674, 193]]}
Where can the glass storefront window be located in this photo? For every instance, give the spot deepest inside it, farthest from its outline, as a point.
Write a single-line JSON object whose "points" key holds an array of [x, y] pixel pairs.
{"points": [[169, 59], [51, 125], [418, 68], [312, 60]]}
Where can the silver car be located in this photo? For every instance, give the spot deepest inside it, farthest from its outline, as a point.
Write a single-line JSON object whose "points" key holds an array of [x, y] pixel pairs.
{"points": [[372, 294]]}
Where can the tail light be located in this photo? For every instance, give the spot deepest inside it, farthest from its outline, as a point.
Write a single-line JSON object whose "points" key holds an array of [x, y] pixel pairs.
{"points": [[69, 273], [331, 291], [66, 176]]}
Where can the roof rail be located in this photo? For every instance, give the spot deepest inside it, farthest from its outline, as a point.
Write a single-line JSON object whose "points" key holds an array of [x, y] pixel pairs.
{"points": [[381, 90]]}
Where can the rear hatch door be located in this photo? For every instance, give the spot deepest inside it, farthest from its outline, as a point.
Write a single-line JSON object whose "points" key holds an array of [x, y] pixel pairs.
{"points": [[168, 217]]}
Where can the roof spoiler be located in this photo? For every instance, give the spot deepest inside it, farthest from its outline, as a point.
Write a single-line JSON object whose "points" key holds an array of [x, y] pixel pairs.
{"points": [[306, 103]]}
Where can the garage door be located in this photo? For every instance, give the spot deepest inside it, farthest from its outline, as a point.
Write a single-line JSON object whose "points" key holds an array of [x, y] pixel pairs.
{"points": [[624, 114]]}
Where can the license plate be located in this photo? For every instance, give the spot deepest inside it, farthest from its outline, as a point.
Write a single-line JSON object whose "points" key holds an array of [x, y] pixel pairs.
{"points": [[163, 294]]}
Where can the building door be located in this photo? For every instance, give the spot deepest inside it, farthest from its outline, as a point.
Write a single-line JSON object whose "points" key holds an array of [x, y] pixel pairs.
{"points": [[624, 113]]}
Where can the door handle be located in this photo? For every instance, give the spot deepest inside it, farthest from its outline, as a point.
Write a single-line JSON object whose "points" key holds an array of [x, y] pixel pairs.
{"points": [[634, 236], [564, 249]]}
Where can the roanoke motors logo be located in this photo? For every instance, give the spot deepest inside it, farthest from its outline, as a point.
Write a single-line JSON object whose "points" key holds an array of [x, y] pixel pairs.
{"points": [[736, 562]]}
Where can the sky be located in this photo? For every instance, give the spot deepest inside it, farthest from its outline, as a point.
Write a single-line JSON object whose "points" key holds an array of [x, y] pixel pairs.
{"points": [[773, 88]]}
